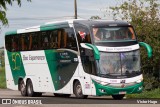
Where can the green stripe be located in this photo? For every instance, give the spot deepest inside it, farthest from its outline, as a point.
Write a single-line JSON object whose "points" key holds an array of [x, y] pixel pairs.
{"points": [[52, 64], [54, 26], [60, 70], [16, 65], [110, 90], [11, 32]]}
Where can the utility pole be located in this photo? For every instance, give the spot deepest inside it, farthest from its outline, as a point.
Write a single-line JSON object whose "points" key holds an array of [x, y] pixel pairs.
{"points": [[75, 9]]}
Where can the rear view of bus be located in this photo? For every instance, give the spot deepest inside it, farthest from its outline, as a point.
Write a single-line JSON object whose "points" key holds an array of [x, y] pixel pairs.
{"points": [[111, 57]]}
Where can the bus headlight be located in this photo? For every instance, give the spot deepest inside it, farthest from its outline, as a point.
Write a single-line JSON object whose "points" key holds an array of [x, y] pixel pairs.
{"points": [[140, 80], [104, 83], [101, 82]]}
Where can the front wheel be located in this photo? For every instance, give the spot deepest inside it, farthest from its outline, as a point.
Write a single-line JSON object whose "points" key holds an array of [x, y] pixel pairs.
{"points": [[118, 97], [78, 90]]}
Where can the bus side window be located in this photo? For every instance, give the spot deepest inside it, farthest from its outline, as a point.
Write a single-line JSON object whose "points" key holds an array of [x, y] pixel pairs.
{"points": [[62, 39], [88, 61], [30, 41], [14, 44], [65, 39], [53, 35], [45, 40], [68, 40], [59, 38], [8, 43], [83, 34], [24, 42]]}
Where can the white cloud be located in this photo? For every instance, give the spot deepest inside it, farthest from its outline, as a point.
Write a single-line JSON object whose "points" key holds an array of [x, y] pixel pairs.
{"points": [[39, 11]]}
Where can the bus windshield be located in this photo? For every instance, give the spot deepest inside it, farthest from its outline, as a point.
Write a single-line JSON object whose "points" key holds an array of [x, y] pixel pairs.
{"points": [[113, 33], [119, 64]]}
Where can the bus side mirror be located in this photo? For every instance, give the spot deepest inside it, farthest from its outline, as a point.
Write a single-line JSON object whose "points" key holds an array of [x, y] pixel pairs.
{"points": [[148, 48], [92, 47]]}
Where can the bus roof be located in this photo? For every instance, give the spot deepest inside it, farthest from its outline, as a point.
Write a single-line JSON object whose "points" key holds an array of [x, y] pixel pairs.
{"points": [[92, 23], [68, 23]]}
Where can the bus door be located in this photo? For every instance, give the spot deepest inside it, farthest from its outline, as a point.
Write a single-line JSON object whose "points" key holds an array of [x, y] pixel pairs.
{"points": [[67, 59], [86, 66]]}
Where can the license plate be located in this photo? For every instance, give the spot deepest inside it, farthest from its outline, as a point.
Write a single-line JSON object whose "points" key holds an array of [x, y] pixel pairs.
{"points": [[122, 92]]}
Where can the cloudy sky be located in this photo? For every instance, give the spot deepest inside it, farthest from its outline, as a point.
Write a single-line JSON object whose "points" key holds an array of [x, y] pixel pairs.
{"points": [[38, 12]]}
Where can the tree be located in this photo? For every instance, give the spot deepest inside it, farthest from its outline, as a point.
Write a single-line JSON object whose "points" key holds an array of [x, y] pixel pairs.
{"points": [[144, 15], [3, 9], [95, 17]]}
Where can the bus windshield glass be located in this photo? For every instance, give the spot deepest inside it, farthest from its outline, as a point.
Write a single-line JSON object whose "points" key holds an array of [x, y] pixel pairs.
{"points": [[119, 64], [113, 33]]}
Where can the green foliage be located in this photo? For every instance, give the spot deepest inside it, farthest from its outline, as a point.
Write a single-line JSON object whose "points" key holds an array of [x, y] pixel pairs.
{"points": [[95, 17], [144, 15], [2, 58], [150, 82], [3, 9], [146, 94], [2, 78], [2, 70]]}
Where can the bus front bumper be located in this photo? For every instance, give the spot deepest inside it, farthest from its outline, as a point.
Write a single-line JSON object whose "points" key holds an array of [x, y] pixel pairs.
{"points": [[109, 90]]}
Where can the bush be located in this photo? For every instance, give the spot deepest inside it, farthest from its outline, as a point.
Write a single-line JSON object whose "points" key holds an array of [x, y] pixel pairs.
{"points": [[146, 94], [150, 82], [2, 78]]}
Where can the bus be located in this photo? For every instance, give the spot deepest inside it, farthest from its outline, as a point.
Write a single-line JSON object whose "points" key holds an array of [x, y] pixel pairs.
{"points": [[80, 57]]}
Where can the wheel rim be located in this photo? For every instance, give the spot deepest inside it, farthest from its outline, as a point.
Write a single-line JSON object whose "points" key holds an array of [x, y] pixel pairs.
{"points": [[79, 90], [23, 88], [29, 89]]}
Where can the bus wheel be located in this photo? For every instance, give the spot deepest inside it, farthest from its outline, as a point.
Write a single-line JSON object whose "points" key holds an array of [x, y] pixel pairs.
{"points": [[118, 97], [78, 90], [23, 88], [30, 90], [62, 95]]}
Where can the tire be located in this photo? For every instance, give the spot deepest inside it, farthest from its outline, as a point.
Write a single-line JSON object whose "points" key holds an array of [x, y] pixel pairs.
{"points": [[30, 90], [78, 90], [62, 95], [118, 97], [23, 88]]}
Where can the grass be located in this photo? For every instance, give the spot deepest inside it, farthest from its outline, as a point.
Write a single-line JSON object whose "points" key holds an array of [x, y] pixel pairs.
{"points": [[2, 78], [146, 94]]}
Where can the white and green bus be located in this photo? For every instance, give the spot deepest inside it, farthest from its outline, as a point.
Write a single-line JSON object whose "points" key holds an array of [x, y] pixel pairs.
{"points": [[81, 57]]}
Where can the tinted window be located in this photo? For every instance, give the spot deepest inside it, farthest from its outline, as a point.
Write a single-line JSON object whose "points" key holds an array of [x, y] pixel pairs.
{"points": [[87, 57], [113, 33], [83, 34], [54, 39]]}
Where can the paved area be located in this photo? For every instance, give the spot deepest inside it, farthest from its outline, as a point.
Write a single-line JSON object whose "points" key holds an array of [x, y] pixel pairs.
{"points": [[49, 100]]}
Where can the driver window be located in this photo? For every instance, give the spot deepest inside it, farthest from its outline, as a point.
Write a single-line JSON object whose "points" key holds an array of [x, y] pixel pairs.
{"points": [[83, 34], [87, 57]]}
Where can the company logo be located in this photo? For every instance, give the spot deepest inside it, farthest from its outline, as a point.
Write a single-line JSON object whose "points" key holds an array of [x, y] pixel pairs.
{"points": [[16, 59], [21, 101], [6, 101]]}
